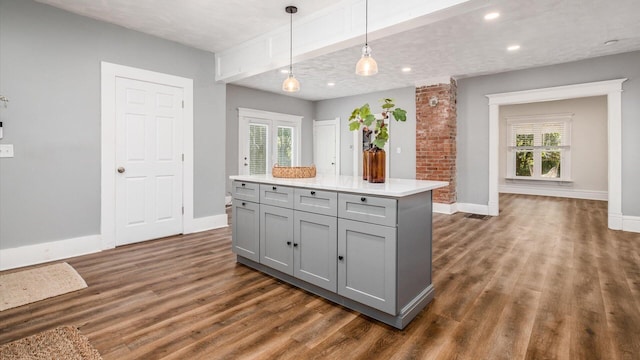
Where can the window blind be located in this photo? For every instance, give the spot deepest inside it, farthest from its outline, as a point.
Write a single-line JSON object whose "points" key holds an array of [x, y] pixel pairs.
{"points": [[539, 135], [257, 149]]}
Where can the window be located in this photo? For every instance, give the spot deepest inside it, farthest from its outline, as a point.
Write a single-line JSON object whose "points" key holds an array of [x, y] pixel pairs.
{"points": [[266, 139], [539, 147]]}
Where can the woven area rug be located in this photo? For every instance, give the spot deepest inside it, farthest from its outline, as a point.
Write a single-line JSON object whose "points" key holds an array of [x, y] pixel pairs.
{"points": [[27, 286], [64, 342]]}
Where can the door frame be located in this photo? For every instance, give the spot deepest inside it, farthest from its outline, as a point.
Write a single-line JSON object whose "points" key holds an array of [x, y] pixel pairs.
{"points": [[271, 117], [109, 73], [336, 124], [610, 88]]}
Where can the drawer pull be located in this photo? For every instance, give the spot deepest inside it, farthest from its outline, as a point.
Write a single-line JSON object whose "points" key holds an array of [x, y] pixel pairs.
{"points": [[295, 244], [340, 257], [363, 199], [244, 203], [243, 185], [289, 243], [313, 193], [274, 188]]}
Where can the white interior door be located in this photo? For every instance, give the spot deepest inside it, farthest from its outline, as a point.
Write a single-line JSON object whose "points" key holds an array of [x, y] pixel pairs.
{"points": [[149, 125], [326, 146]]}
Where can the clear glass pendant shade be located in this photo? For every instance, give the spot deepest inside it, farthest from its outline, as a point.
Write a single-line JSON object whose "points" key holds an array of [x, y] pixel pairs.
{"points": [[291, 84], [366, 66]]}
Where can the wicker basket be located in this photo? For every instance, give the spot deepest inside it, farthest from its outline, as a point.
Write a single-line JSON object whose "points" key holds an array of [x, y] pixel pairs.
{"points": [[294, 172]]}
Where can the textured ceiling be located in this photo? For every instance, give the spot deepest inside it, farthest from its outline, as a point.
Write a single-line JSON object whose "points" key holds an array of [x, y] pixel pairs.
{"points": [[548, 31], [212, 25]]}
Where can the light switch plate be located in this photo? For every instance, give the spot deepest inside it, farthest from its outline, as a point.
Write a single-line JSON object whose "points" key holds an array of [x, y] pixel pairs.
{"points": [[6, 150]]}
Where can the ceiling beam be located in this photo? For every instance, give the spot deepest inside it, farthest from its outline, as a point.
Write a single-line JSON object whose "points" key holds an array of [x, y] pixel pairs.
{"points": [[331, 29]]}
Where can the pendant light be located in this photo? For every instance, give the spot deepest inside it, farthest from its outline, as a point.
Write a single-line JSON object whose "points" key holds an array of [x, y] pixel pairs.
{"points": [[291, 84], [366, 66]]}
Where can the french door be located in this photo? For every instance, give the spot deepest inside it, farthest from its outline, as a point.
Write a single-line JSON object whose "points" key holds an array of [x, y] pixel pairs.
{"points": [[266, 139]]}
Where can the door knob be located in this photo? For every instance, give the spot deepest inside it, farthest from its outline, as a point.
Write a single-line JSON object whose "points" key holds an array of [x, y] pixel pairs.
{"points": [[120, 169]]}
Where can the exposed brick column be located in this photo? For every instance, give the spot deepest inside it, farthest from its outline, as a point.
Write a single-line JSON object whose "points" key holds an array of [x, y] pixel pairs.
{"points": [[436, 138]]}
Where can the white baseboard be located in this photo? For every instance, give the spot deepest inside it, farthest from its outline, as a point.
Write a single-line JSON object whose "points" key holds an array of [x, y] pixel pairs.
{"points": [[462, 207], [444, 208], [544, 191], [208, 223], [631, 223], [473, 208], [49, 251]]}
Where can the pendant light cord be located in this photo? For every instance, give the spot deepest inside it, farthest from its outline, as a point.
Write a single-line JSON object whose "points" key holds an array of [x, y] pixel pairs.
{"points": [[291, 43], [366, 22]]}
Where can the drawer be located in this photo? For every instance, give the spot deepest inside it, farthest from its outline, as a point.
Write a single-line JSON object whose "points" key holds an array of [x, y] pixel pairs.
{"points": [[316, 201], [276, 195], [243, 190], [371, 209]]}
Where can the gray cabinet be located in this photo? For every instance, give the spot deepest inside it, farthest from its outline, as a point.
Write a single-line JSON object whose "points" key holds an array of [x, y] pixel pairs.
{"points": [[368, 253], [276, 238], [315, 250], [367, 264], [246, 227]]}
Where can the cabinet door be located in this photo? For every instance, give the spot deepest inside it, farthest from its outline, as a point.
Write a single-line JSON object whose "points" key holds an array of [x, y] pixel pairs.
{"points": [[246, 225], [367, 264], [315, 249], [276, 238]]}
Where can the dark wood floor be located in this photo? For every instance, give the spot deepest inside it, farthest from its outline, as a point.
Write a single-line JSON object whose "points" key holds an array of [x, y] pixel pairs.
{"points": [[544, 280]]}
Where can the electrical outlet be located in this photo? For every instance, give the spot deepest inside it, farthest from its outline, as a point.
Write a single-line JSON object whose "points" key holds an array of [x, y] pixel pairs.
{"points": [[6, 150]]}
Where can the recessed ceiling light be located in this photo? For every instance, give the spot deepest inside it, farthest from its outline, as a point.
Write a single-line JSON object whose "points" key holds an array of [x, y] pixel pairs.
{"points": [[284, 71], [610, 42], [406, 69], [492, 16], [513, 47], [331, 84]]}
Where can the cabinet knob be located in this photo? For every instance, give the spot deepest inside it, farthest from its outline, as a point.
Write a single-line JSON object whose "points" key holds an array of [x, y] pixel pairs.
{"points": [[243, 185], [313, 193], [295, 244], [244, 203], [274, 188], [363, 199], [340, 257], [289, 243]]}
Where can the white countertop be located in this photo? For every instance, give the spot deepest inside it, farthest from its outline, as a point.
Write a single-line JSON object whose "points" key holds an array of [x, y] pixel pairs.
{"points": [[391, 187]]}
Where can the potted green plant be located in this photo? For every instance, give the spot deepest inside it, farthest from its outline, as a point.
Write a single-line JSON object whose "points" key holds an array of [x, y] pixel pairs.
{"points": [[374, 158]]}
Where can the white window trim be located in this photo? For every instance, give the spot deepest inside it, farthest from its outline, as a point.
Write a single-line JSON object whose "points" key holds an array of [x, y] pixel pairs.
{"points": [[274, 120], [565, 159], [612, 89]]}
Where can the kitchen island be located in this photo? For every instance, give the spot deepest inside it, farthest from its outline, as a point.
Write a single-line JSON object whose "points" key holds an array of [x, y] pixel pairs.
{"points": [[364, 246]]}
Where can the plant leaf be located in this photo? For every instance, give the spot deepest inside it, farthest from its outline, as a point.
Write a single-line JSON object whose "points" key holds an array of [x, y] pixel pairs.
{"points": [[387, 106], [369, 119], [399, 114], [355, 113], [354, 125]]}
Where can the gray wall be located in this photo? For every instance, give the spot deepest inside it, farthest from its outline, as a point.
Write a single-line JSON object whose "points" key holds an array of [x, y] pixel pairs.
{"points": [[243, 97], [401, 135], [50, 71], [473, 119]]}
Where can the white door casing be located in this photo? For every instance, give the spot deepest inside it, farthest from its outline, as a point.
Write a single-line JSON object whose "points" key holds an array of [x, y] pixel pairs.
{"points": [[109, 75], [149, 160], [271, 120], [326, 146], [612, 89]]}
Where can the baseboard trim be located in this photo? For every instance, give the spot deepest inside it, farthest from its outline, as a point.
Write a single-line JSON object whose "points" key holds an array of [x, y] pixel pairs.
{"points": [[445, 208], [631, 223], [568, 193], [473, 208], [450, 209], [55, 250], [208, 223]]}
